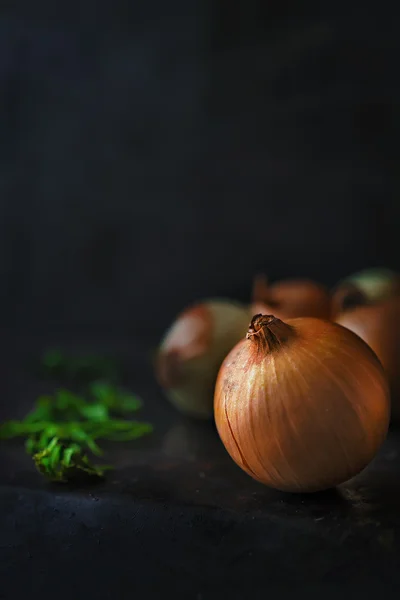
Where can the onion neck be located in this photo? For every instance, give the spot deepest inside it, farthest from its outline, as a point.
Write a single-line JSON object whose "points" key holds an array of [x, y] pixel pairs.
{"points": [[268, 333]]}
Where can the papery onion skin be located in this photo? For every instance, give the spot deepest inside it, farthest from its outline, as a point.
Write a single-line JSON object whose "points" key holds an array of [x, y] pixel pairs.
{"points": [[305, 410], [379, 326], [291, 298], [192, 351]]}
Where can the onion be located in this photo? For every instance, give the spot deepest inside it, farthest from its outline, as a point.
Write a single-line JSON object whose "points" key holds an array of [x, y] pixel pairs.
{"points": [[365, 287], [379, 326], [291, 298], [192, 351], [301, 406]]}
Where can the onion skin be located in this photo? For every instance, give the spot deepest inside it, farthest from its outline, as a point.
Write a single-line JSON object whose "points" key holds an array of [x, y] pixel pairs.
{"points": [[291, 298], [192, 351], [379, 326], [301, 406]]}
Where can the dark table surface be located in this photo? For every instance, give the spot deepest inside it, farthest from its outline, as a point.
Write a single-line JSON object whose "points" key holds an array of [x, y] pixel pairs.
{"points": [[177, 516]]}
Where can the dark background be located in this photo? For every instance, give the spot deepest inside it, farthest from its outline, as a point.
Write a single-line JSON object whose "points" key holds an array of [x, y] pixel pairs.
{"points": [[153, 153]]}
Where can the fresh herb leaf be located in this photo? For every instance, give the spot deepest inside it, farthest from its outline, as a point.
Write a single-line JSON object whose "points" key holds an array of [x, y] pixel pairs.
{"points": [[95, 412], [55, 363], [53, 359], [42, 410], [62, 428], [115, 399], [62, 463]]}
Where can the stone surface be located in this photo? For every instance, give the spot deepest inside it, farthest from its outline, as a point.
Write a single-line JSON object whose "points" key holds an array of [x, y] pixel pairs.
{"points": [[178, 514]]}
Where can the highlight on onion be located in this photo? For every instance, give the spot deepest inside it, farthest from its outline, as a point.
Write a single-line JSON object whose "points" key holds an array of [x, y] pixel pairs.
{"points": [[365, 287], [192, 351], [379, 326], [291, 298], [301, 405]]}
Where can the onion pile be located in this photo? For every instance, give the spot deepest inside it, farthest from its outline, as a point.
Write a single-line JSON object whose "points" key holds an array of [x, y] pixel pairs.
{"points": [[192, 351], [194, 347], [301, 405]]}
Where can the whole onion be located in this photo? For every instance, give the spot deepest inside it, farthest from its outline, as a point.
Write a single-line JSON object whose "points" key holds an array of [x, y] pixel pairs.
{"points": [[291, 298], [365, 287], [192, 351], [301, 405], [379, 326]]}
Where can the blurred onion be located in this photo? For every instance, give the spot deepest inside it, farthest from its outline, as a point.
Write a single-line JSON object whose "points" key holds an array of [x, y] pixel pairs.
{"points": [[192, 351], [379, 326], [291, 298], [365, 287]]}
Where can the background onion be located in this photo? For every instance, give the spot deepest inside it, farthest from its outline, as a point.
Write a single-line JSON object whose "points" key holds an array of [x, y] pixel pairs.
{"points": [[379, 326], [291, 298], [365, 287], [192, 351]]}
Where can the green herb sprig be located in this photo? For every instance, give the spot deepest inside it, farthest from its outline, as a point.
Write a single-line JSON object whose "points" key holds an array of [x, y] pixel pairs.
{"points": [[56, 364], [62, 429]]}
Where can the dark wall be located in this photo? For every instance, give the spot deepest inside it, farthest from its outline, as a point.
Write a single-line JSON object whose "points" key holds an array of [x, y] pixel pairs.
{"points": [[156, 153]]}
